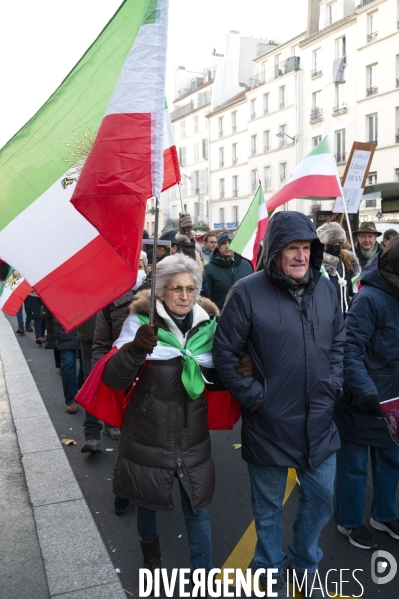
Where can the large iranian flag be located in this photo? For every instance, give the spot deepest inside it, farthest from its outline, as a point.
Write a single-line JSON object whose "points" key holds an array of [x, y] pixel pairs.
{"points": [[110, 193], [13, 291], [74, 269], [316, 175]]}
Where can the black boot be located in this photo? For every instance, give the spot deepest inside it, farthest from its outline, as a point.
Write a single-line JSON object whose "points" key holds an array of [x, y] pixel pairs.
{"points": [[152, 556]]}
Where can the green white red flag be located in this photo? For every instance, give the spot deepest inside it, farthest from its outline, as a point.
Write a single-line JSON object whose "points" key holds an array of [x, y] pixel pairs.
{"points": [[252, 229], [73, 268], [13, 291], [316, 175]]}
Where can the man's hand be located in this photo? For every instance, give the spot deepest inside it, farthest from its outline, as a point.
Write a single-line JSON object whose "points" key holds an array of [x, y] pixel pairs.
{"points": [[144, 341], [185, 233], [244, 366]]}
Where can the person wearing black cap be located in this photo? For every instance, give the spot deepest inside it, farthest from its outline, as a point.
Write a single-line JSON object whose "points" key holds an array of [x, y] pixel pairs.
{"points": [[367, 245], [224, 269]]}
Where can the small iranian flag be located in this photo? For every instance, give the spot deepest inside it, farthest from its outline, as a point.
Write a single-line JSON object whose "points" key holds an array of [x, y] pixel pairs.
{"points": [[316, 175], [13, 292], [252, 229], [133, 156], [74, 269]]}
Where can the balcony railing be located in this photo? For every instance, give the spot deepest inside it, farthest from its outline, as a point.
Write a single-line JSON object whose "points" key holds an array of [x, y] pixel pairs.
{"points": [[235, 193], [253, 116], [266, 148], [282, 142], [266, 110], [234, 160], [339, 109], [234, 128], [372, 36], [254, 186], [282, 177], [267, 184], [372, 90], [221, 194], [221, 164], [220, 134], [316, 114], [286, 66], [282, 104], [364, 2], [340, 158], [316, 72], [190, 106], [253, 151]]}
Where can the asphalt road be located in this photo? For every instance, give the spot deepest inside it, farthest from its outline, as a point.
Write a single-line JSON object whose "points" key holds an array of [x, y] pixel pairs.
{"points": [[230, 511]]}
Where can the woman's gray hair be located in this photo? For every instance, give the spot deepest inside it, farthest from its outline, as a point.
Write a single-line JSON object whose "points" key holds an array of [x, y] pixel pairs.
{"points": [[176, 265]]}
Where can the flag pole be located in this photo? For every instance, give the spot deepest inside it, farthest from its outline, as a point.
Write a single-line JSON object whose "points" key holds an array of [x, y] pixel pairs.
{"points": [[154, 263], [181, 199]]}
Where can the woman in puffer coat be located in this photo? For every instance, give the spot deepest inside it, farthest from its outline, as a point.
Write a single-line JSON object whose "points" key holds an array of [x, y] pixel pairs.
{"points": [[165, 432]]}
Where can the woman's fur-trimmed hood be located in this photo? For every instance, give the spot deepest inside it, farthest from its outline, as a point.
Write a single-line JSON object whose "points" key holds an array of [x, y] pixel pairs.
{"points": [[141, 304]]}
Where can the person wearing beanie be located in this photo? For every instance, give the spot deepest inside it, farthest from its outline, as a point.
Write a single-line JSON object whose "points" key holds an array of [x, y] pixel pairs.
{"points": [[339, 265], [224, 269], [371, 376]]}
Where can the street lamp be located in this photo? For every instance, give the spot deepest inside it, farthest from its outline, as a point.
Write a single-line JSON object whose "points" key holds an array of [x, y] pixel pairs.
{"points": [[289, 136]]}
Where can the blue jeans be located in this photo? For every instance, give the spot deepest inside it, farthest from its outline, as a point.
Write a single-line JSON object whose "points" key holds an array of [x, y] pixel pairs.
{"points": [[314, 511], [34, 304], [69, 375], [20, 318], [198, 530], [352, 461]]}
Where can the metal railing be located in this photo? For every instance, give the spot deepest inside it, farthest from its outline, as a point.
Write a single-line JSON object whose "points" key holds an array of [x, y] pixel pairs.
{"points": [[266, 110], [253, 116], [282, 142], [372, 90], [220, 134], [221, 194], [372, 36], [282, 104], [339, 158], [266, 148], [316, 114], [316, 72], [253, 151], [282, 68], [190, 106], [235, 193], [283, 176], [364, 2], [234, 128], [221, 164], [234, 161], [267, 183], [339, 109]]}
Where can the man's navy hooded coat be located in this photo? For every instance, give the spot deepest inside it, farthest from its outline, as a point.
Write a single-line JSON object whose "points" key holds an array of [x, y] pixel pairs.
{"points": [[297, 352]]}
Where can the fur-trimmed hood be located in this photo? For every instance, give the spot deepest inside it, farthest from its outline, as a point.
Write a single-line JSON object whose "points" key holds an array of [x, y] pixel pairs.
{"points": [[141, 304]]}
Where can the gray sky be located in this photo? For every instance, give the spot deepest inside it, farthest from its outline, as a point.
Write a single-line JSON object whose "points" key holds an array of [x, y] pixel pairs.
{"points": [[41, 41]]}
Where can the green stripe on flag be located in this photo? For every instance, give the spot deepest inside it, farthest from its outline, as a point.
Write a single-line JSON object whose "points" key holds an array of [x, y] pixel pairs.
{"points": [[248, 225], [35, 157], [321, 148], [152, 13], [2, 286]]}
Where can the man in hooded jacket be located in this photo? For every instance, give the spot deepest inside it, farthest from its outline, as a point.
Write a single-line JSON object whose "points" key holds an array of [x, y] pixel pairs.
{"points": [[288, 319]]}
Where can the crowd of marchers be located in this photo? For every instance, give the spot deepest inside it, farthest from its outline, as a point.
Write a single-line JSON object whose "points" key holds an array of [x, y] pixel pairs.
{"points": [[308, 345]]}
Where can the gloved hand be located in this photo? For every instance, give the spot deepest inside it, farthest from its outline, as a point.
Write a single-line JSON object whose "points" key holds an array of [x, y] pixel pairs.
{"points": [[370, 405], [244, 366], [144, 341], [185, 233]]}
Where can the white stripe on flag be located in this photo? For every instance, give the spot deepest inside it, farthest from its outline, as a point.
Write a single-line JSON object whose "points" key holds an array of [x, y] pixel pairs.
{"points": [[320, 164]]}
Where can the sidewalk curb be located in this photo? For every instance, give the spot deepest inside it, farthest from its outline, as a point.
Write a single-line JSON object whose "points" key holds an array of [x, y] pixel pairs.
{"points": [[76, 562]]}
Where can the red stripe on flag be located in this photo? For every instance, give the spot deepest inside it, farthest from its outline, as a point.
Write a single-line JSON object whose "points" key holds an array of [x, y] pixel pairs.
{"points": [[171, 174], [87, 282], [322, 186], [17, 298]]}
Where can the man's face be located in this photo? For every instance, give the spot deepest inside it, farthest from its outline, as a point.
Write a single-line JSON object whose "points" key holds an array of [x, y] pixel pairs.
{"points": [[161, 251], [293, 259], [367, 241], [224, 250], [210, 243]]}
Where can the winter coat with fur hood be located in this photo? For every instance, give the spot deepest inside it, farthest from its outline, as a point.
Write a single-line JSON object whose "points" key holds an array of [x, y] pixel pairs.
{"points": [[164, 431]]}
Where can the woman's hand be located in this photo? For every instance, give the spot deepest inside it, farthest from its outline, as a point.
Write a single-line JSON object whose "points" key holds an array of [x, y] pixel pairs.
{"points": [[244, 366], [144, 341]]}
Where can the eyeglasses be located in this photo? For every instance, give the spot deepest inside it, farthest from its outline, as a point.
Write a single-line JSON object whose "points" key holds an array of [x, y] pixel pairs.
{"points": [[178, 290]]}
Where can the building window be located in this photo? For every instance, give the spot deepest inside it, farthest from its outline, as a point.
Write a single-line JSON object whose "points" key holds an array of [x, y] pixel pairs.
{"points": [[221, 157], [316, 67], [221, 216], [340, 47], [203, 180], [340, 146], [235, 186], [396, 174], [221, 189], [234, 121], [205, 149], [234, 153], [267, 178], [195, 123], [316, 140], [253, 144], [282, 137], [220, 126], [277, 71], [235, 215], [183, 129], [266, 103], [316, 106], [339, 97], [372, 128], [372, 179], [195, 183], [266, 141], [253, 108], [182, 156], [372, 32], [397, 125], [254, 180], [330, 14], [283, 171], [281, 96], [372, 86], [397, 64], [196, 152]]}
